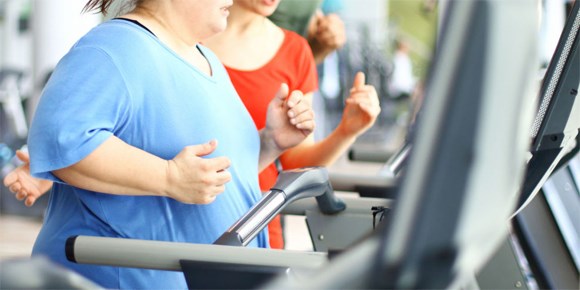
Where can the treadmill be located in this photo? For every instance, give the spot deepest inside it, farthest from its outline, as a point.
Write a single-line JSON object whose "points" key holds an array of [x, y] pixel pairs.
{"points": [[552, 144], [467, 163], [547, 225]]}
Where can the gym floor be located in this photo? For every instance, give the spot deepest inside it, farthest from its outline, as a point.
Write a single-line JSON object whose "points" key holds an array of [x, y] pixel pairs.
{"points": [[17, 235]]}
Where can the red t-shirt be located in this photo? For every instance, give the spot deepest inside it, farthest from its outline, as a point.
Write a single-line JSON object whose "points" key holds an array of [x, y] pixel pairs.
{"points": [[294, 65]]}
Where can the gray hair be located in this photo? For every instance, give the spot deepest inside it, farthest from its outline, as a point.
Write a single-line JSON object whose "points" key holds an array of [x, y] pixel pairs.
{"points": [[107, 6]]}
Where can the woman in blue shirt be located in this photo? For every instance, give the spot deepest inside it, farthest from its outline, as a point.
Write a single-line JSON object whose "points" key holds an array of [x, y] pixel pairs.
{"points": [[127, 128]]}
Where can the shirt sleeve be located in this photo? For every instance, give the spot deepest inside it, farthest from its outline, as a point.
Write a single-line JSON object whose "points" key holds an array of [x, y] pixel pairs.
{"points": [[295, 15], [83, 104]]}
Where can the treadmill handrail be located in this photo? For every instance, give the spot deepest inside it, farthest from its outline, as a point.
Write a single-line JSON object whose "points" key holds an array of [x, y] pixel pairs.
{"points": [[290, 186], [162, 255]]}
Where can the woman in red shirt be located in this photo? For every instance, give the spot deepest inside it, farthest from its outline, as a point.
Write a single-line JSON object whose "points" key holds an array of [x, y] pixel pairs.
{"points": [[259, 56]]}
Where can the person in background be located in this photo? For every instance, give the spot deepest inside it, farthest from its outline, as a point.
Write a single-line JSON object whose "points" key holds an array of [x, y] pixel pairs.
{"points": [[325, 33], [319, 21], [295, 15], [402, 82], [142, 160]]}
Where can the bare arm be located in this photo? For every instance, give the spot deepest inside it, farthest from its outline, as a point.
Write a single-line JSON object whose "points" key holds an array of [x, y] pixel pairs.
{"points": [[322, 153], [115, 167], [360, 113]]}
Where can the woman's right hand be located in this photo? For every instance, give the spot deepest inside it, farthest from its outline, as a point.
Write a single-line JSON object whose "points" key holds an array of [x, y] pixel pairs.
{"points": [[196, 180], [22, 184]]}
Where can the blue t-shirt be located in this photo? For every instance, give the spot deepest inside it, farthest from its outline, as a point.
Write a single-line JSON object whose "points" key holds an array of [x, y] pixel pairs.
{"points": [[121, 80]]}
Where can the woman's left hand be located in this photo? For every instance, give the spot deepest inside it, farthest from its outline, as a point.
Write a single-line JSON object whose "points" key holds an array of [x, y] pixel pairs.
{"points": [[362, 107]]}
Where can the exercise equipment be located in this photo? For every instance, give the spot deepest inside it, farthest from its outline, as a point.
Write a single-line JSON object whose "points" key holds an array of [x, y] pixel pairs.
{"points": [[466, 163], [11, 101], [548, 230], [552, 132], [547, 223], [549, 248], [40, 273]]}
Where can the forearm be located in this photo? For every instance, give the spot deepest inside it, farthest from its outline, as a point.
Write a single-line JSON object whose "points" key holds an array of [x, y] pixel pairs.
{"points": [[116, 167], [322, 153]]}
